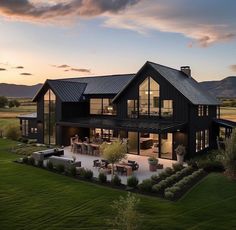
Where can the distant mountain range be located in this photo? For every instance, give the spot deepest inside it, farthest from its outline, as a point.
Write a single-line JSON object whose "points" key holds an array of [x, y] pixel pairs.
{"points": [[224, 88], [19, 91]]}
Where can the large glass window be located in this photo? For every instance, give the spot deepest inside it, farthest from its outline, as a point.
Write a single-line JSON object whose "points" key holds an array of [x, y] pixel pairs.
{"points": [[149, 93], [49, 117], [25, 128], [132, 108], [167, 108], [202, 140], [102, 106]]}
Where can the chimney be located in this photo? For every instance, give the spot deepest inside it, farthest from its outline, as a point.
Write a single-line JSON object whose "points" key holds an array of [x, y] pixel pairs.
{"points": [[186, 70]]}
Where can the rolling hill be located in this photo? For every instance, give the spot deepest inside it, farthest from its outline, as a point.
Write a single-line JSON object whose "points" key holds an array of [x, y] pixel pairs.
{"points": [[225, 88], [18, 91]]}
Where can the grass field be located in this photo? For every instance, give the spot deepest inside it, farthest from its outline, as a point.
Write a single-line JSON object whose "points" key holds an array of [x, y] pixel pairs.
{"points": [[228, 113], [32, 198]]}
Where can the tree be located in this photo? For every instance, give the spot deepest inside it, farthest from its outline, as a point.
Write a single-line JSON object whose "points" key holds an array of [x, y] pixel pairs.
{"points": [[126, 216], [229, 155], [16, 103], [3, 101], [113, 152], [11, 104]]}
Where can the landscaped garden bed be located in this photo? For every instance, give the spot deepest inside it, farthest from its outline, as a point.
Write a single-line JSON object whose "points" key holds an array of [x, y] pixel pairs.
{"points": [[170, 184]]}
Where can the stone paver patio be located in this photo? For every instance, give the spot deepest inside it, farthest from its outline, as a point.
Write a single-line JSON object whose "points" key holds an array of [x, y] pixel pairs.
{"points": [[142, 173]]}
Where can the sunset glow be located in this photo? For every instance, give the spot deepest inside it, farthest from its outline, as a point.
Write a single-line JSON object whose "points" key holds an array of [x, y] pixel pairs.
{"points": [[58, 39]]}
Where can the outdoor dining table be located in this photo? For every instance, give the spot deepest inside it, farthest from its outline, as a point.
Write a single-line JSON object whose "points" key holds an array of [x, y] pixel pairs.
{"points": [[127, 167]]}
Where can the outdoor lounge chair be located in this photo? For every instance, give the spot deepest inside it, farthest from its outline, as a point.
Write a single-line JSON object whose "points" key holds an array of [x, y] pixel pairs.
{"points": [[96, 163], [134, 165]]}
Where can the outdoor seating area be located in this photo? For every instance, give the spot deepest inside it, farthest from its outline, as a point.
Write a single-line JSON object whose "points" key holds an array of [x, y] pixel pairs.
{"points": [[85, 147], [133, 165]]}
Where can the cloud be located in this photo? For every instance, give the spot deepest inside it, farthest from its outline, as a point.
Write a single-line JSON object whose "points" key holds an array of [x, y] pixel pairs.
{"points": [[41, 9], [19, 67], [81, 70], [2, 69], [233, 67], [26, 74], [204, 22], [63, 66]]}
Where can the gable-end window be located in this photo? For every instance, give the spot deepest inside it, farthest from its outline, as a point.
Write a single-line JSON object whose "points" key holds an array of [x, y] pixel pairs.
{"points": [[102, 106], [167, 108], [132, 108], [149, 94], [200, 110], [49, 118]]}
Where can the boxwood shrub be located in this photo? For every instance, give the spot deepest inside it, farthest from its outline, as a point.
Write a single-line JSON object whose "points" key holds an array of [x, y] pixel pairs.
{"points": [[132, 181], [40, 163], [88, 174], [177, 167], [146, 185], [116, 180], [50, 165], [60, 168], [31, 161], [102, 177], [25, 160]]}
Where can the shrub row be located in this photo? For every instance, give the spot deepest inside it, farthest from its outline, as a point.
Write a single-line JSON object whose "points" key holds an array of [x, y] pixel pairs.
{"points": [[180, 186], [169, 181], [166, 173]]}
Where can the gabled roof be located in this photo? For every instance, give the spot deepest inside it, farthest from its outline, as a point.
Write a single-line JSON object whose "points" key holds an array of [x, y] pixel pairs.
{"points": [[71, 89], [111, 84], [186, 85], [67, 91]]}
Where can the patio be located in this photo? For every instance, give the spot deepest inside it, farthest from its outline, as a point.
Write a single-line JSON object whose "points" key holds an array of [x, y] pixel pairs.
{"points": [[142, 173]]}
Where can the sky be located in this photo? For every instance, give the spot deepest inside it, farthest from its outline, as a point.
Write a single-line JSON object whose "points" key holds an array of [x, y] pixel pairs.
{"points": [[54, 39]]}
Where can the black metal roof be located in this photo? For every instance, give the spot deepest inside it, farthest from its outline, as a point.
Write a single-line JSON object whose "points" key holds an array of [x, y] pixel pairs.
{"points": [[129, 125], [67, 91], [111, 84], [71, 89], [186, 85], [226, 123]]}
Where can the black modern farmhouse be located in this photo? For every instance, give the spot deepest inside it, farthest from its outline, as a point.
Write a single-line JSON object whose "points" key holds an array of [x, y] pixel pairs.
{"points": [[154, 110]]}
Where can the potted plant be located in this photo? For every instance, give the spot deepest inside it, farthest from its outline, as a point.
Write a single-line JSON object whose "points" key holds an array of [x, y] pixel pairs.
{"points": [[180, 152], [153, 162]]}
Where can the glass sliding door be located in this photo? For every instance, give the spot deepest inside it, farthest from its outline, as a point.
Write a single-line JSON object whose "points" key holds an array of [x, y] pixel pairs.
{"points": [[149, 144], [133, 142], [166, 146]]}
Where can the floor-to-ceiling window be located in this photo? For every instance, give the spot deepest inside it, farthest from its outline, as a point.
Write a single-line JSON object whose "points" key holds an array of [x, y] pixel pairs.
{"points": [[166, 145], [133, 142], [149, 144], [149, 94], [49, 117]]}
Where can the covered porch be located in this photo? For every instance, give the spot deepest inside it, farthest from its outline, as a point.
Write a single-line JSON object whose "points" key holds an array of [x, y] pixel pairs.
{"points": [[143, 138]]}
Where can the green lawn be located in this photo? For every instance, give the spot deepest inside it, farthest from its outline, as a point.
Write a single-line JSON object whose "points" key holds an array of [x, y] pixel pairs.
{"points": [[32, 198]]}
